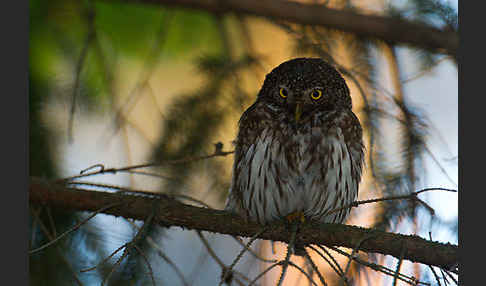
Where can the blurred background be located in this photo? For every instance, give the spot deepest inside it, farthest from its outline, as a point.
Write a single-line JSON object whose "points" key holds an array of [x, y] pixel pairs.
{"points": [[121, 83]]}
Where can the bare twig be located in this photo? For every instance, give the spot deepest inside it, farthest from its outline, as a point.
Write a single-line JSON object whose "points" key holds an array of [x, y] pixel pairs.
{"points": [[397, 271], [58, 251], [105, 259], [351, 256], [124, 190], [115, 266], [51, 221], [290, 248], [424, 71], [253, 252], [450, 276], [227, 271], [432, 268], [89, 38], [104, 170], [36, 213], [151, 272], [215, 257], [412, 196], [335, 265], [132, 244], [168, 260], [338, 270], [314, 267], [149, 174], [161, 253], [438, 164], [73, 228], [380, 268], [435, 275], [263, 273]]}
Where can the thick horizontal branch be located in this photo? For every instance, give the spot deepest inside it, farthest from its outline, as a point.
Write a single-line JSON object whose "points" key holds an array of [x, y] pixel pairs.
{"points": [[385, 28], [170, 212]]}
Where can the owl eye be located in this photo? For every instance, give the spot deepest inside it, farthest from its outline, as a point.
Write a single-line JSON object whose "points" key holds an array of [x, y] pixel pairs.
{"points": [[283, 92], [316, 94]]}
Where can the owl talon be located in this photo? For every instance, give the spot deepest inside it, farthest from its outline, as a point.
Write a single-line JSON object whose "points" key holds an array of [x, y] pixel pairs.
{"points": [[292, 217], [294, 220]]}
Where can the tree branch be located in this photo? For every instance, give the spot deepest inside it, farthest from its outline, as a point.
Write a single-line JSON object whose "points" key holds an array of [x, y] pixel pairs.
{"points": [[170, 212], [381, 27]]}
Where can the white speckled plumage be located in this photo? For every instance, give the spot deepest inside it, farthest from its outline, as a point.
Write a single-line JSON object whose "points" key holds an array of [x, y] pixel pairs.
{"points": [[282, 167]]}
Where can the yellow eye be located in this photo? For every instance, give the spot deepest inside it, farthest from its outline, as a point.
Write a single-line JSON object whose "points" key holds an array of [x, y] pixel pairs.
{"points": [[316, 94], [283, 92]]}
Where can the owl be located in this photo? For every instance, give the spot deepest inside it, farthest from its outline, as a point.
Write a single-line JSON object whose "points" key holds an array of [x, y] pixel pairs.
{"points": [[299, 148]]}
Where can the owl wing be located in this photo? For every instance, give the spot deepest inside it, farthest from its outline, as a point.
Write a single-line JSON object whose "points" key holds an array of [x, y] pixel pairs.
{"points": [[331, 166], [250, 126], [350, 156], [353, 138]]}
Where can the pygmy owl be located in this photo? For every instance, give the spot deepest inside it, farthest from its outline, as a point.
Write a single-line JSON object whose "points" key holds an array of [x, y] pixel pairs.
{"points": [[299, 147]]}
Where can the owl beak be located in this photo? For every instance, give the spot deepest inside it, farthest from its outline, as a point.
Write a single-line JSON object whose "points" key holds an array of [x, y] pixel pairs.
{"points": [[298, 111]]}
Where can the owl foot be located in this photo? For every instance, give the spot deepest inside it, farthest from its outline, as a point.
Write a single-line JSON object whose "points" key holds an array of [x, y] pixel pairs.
{"points": [[294, 220], [295, 216]]}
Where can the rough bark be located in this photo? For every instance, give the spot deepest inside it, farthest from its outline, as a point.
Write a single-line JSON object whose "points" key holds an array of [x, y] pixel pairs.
{"points": [[169, 212]]}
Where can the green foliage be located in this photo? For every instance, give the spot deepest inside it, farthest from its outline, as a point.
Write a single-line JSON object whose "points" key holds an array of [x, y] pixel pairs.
{"points": [[60, 30], [133, 28]]}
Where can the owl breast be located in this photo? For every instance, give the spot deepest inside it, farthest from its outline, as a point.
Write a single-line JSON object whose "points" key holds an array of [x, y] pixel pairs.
{"points": [[311, 171]]}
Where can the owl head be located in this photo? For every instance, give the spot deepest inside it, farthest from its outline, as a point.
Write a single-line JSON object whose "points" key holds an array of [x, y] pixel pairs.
{"points": [[303, 85]]}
